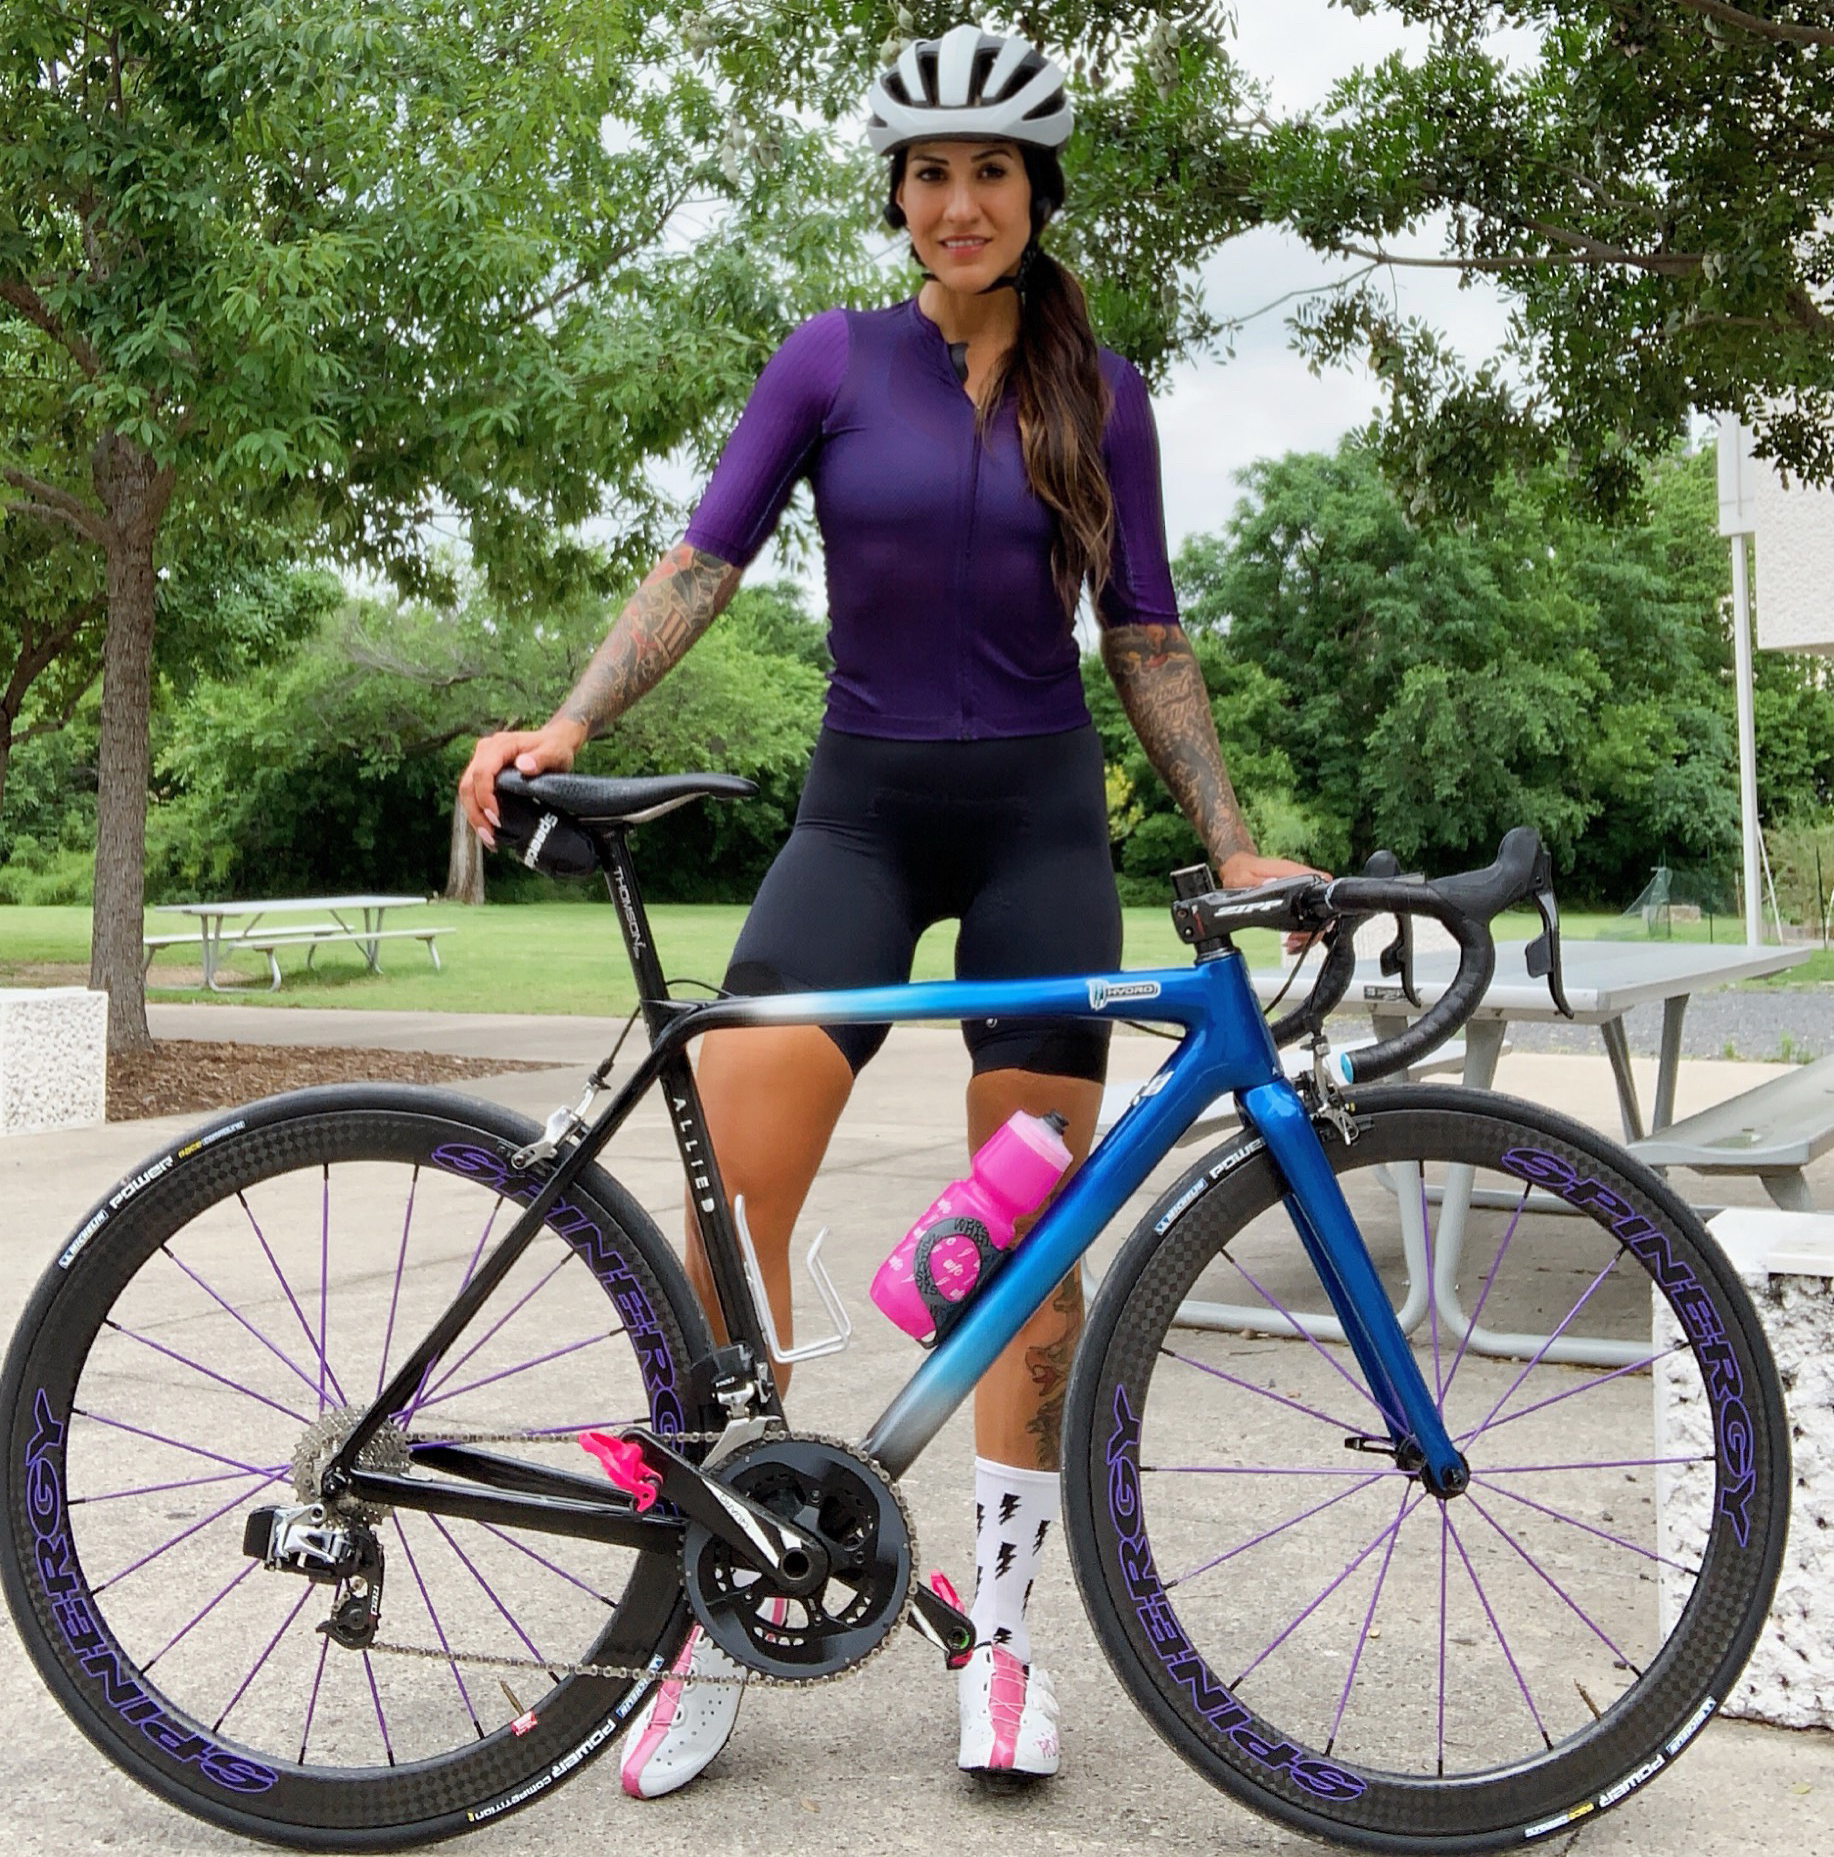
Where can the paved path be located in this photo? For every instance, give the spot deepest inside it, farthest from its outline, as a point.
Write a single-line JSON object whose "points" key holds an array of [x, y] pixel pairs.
{"points": [[865, 1767]]}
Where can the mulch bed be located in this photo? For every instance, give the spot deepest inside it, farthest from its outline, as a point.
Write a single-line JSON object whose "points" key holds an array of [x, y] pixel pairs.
{"points": [[184, 1076]]}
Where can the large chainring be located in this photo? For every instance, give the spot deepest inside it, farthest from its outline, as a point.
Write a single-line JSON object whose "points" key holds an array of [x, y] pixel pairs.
{"points": [[853, 1507]]}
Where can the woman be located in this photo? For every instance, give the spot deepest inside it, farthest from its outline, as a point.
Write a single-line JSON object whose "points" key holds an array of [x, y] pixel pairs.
{"points": [[977, 462]]}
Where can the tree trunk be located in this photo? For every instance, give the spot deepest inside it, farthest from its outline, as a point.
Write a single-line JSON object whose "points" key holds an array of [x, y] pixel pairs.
{"points": [[465, 865], [134, 493], [6, 757]]}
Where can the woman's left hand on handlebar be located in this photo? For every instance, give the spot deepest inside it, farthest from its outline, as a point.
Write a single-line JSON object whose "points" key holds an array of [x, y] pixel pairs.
{"points": [[1243, 870]]}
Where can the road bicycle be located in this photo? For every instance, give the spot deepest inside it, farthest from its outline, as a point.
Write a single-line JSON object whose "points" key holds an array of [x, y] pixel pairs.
{"points": [[269, 1545]]}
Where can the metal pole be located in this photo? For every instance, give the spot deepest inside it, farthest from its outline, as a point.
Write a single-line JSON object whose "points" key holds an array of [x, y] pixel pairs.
{"points": [[1747, 742]]}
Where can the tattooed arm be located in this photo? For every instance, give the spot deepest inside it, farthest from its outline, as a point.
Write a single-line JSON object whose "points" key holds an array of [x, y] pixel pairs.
{"points": [[685, 592], [1162, 690]]}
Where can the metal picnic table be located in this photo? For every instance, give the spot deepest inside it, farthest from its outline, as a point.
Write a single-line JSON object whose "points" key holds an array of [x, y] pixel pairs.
{"points": [[1603, 980], [218, 938]]}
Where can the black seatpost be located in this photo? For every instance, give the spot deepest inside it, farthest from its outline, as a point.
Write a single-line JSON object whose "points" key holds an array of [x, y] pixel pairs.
{"points": [[712, 1209]]}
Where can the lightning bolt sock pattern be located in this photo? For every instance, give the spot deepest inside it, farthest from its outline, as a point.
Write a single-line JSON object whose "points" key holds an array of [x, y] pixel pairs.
{"points": [[1013, 1512]]}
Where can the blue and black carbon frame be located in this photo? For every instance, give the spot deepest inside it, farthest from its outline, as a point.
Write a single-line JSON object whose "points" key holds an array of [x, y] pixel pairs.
{"points": [[1225, 1050]]}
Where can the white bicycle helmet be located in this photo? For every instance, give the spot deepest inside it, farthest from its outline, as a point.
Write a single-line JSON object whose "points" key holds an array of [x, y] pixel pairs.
{"points": [[969, 83]]}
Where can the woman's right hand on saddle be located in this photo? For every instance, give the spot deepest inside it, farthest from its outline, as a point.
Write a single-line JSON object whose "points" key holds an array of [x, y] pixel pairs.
{"points": [[547, 750]]}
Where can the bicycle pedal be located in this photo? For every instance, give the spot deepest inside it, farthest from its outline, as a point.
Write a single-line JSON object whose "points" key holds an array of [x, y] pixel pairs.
{"points": [[936, 1614]]}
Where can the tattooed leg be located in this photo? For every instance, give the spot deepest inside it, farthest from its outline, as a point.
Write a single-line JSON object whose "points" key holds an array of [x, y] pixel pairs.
{"points": [[685, 592], [1018, 1406]]}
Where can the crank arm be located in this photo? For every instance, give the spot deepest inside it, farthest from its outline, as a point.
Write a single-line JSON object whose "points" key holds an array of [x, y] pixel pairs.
{"points": [[936, 1615], [795, 1560]]}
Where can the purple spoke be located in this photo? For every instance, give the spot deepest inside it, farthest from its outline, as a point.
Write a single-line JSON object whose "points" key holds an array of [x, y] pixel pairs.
{"points": [[284, 1359], [1442, 1641], [504, 1535], [305, 1734], [1573, 1521], [1600, 1463], [1483, 1295], [1266, 1392], [172, 1354], [375, 1694], [507, 1373], [159, 1489], [215, 1514], [1573, 1605], [1278, 1528], [1573, 1392], [196, 1450], [280, 1277], [1541, 1352], [1381, 1535], [1362, 1641], [489, 1591], [420, 1392], [285, 1623], [483, 1240], [394, 1298], [324, 1281], [1432, 1299], [199, 1619], [439, 1630], [565, 1259], [1509, 1656], [1262, 1470], [1304, 1334]]}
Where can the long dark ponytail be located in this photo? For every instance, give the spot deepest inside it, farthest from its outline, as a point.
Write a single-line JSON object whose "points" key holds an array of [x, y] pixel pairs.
{"points": [[1055, 370]]}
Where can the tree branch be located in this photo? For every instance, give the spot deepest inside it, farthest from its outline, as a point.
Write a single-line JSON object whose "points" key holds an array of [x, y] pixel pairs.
{"points": [[32, 307], [51, 504], [1784, 30], [1579, 249]]}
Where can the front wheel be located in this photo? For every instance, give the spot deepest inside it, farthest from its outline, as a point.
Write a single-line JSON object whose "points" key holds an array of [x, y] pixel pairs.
{"points": [[1305, 1622], [206, 1338]]}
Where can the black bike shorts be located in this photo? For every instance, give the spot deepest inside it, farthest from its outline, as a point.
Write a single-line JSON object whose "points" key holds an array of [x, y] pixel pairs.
{"points": [[1010, 837]]}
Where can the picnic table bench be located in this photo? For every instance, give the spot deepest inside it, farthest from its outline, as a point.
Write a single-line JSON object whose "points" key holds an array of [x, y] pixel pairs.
{"points": [[216, 937], [1773, 1130]]}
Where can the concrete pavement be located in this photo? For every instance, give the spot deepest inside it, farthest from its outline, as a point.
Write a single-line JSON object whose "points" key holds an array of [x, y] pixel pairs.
{"points": [[865, 1765]]}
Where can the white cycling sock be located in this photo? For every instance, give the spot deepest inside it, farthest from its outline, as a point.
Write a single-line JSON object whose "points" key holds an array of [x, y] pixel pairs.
{"points": [[1013, 1512]]}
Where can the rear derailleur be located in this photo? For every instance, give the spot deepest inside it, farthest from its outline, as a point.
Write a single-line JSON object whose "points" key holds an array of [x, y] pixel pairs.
{"points": [[301, 1539]]}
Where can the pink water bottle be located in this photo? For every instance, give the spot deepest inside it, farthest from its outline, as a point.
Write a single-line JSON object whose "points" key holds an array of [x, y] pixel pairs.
{"points": [[958, 1242]]}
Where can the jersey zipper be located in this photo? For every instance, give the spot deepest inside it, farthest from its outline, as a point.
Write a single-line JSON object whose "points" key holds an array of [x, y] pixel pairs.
{"points": [[962, 657]]}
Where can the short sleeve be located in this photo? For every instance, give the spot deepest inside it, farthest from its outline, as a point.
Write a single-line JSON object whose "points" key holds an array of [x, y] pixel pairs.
{"points": [[773, 442], [1139, 589]]}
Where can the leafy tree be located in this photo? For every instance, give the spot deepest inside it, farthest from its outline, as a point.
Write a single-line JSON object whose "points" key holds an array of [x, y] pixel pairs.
{"points": [[355, 264], [1654, 195], [335, 766], [1433, 683]]}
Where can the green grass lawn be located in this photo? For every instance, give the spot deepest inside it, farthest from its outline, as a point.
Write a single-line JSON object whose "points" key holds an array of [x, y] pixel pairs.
{"points": [[565, 957]]}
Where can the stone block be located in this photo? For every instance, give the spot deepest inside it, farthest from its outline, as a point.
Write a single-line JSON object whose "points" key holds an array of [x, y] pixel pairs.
{"points": [[1787, 1262], [53, 1058]]}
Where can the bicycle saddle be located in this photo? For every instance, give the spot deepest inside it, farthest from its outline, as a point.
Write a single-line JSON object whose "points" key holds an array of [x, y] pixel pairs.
{"points": [[589, 799]]}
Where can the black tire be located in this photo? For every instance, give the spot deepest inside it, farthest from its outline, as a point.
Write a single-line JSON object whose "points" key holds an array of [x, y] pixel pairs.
{"points": [[1354, 1658], [261, 1272]]}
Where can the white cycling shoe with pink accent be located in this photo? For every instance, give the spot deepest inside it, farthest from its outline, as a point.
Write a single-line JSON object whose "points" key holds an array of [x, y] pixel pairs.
{"points": [[1009, 1717], [681, 1729]]}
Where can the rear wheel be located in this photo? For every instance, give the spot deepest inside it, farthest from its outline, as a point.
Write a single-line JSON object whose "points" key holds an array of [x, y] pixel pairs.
{"points": [[214, 1328], [1307, 1624]]}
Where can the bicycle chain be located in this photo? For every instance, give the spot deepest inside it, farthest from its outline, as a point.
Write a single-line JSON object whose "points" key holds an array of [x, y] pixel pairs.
{"points": [[644, 1673]]}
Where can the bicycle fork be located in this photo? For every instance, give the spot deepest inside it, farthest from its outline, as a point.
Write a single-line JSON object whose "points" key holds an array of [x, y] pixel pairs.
{"points": [[1333, 1242]]}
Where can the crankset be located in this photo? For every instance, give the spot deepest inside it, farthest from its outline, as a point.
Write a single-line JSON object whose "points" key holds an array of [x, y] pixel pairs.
{"points": [[802, 1632]]}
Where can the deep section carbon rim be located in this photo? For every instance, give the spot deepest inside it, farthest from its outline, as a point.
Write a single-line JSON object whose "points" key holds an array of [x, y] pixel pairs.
{"points": [[1310, 1626], [185, 1356]]}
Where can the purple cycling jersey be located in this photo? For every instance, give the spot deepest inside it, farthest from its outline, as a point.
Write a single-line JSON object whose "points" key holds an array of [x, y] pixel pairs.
{"points": [[946, 623]]}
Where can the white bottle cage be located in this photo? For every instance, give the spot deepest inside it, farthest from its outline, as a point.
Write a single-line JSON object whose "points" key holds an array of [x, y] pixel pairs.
{"points": [[824, 1288]]}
